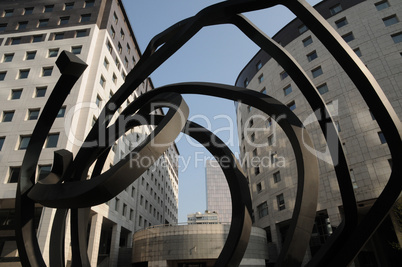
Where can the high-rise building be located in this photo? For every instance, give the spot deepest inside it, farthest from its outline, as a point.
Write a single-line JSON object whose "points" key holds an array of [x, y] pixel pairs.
{"points": [[373, 30], [209, 217], [32, 35], [218, 194]]}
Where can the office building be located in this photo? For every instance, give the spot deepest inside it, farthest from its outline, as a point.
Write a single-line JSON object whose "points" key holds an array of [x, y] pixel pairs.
{"points": [[373, 30], [218, 194], [32, 35], [203, 218]]}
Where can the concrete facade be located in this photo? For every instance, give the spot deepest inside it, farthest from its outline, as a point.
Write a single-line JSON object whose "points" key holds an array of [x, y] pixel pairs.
{"points": [[32, 35], [198, 244], [373, 30]]}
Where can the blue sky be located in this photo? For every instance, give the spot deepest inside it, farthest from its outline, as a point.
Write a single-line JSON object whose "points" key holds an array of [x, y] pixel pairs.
{"points": [[215, 54]]}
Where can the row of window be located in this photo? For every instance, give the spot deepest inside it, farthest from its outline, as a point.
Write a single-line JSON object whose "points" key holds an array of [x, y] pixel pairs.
{"points": [[262, 209], [32, 114], [24, 73], [129, 216], [45, 9], [30, 55], [22, 25], [13, 173], [41, 37]]}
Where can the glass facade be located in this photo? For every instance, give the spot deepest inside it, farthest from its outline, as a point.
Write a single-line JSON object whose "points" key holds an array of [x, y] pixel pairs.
{"points": [[218, 194]]}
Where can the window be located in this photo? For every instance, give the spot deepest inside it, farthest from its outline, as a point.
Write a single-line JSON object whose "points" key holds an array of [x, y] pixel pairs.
{"points": [[3, 75], [322, 89], [89, 3], [271, 140], [58, 36], [68, 6], [53, 52], [64, 20], [48, 8], [252, 137], [277, 177], [372, 115], [114, 78], [109, 46], [23, 74], [47, 71], [14, 174], [61, 113], [122, 35], [303, 28], [124, 209], [251, 123], [102, 81], [348, 37], [292, 105], [85, 17], [261, 78], [391, 20], [112, 31], [24, 141], [335, 9], [257, 170], [382, 138], [128, 49], [245, 82], [358, 52], [3, 27], [259, 65], [259, 187], [116, 204], [281, 202], [15, 40], [44, 171], [115, 18], [40, 91], [106, 63], [28, 10], [381, 5], [316, 72], [264, 91], [2, 139], [340, 23], [30, 55], [98, 101], [43, 23], [116, 60], [312, 56], [397, 37], [33, 114], [120, 48], [269, 122], [262, 210], [7, 116], [76, 50], [8, 13], [22, 25], [283, 75], [287, 90], [52, 140], [16, 94], [80, 33], [8, 57], [37, 38]]}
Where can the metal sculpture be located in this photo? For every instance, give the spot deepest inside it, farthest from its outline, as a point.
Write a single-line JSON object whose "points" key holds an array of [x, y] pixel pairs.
{"points": [[66, 187]]}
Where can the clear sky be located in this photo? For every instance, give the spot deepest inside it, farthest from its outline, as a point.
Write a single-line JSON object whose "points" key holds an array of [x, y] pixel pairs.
{"points": [[215, 54]]}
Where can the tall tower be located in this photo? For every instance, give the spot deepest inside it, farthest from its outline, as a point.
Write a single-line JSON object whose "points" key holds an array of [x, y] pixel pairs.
{"points": [[32, 35], [218, 194]]}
